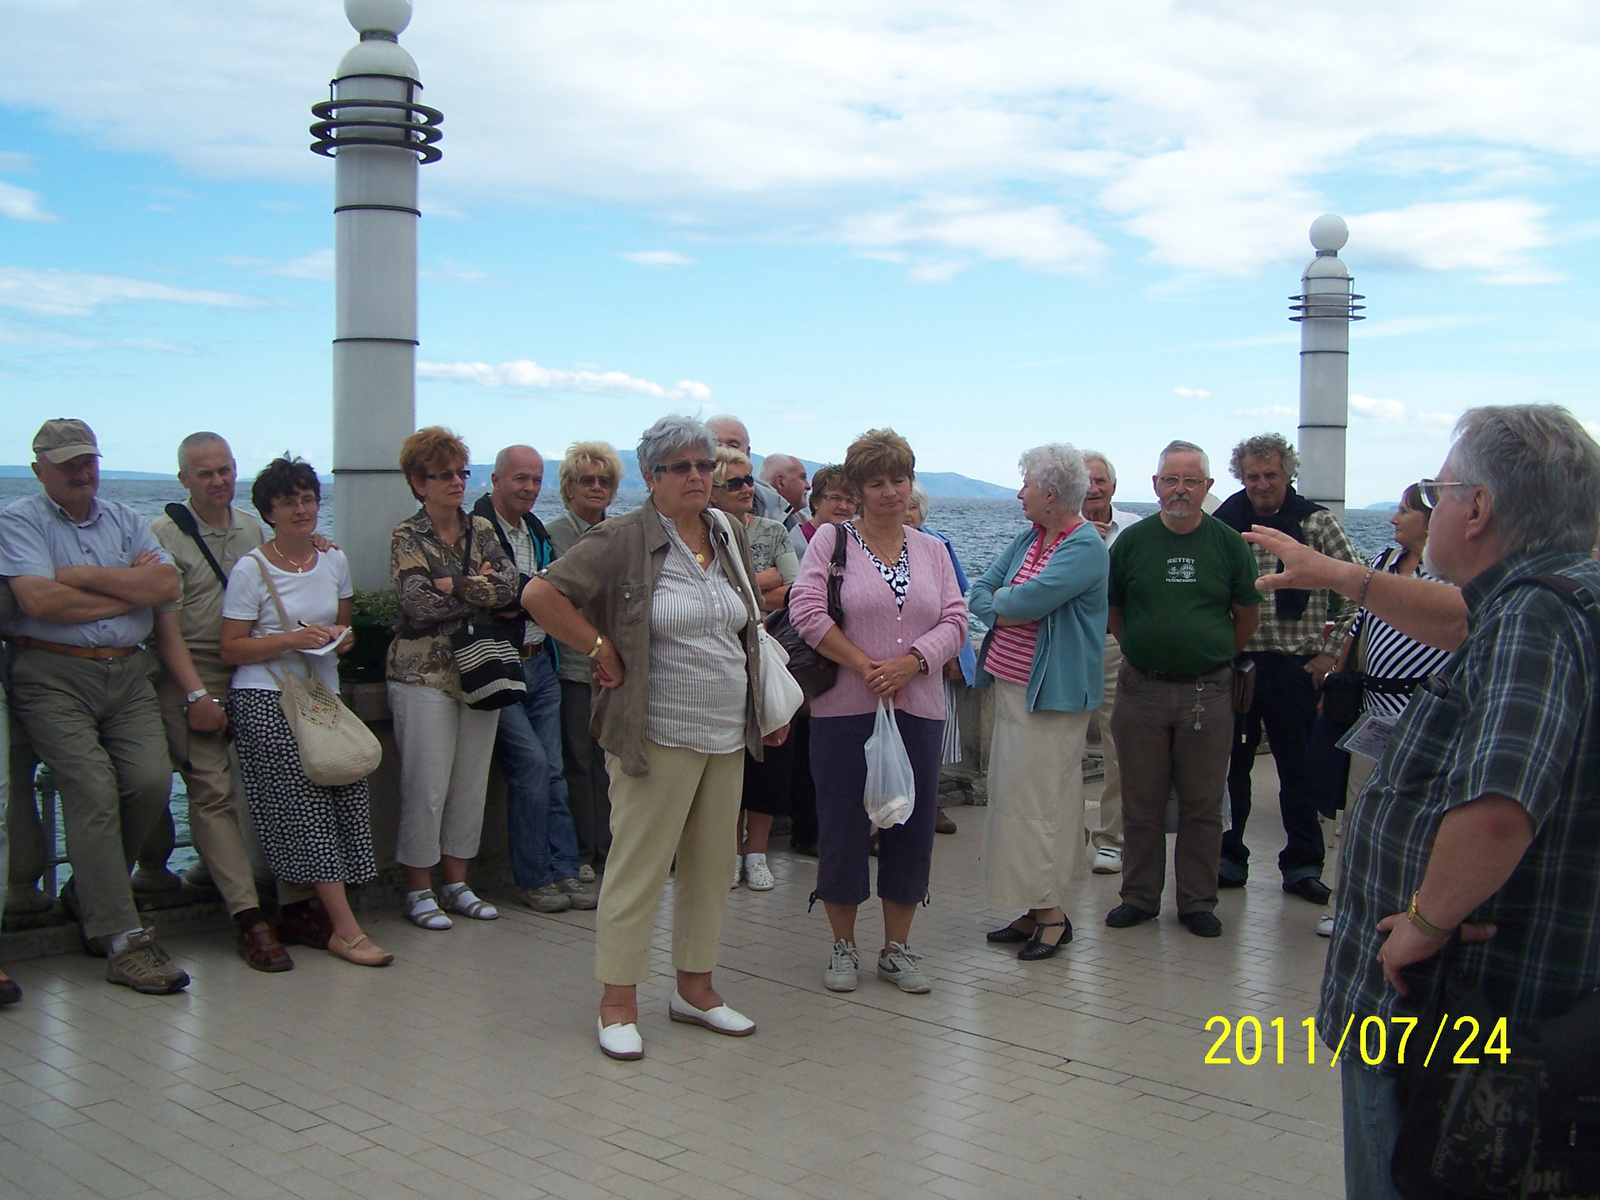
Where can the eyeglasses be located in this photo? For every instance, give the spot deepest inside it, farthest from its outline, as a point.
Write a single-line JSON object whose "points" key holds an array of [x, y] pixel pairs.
{"points": [[593, 480], [1188, 482], [291, 503], [463, 474], [683, 466], [834, 498], [1429, 489], [737, 484]]}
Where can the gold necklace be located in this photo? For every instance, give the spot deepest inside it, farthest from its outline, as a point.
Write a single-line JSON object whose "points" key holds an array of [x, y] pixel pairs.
{"points": [[296, 567]]}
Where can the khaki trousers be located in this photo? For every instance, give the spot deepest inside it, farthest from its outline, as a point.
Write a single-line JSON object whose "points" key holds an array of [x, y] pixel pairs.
{"points": [[1108, 833], [218, 815], [687, 806], [445, 747], [97, 726]]}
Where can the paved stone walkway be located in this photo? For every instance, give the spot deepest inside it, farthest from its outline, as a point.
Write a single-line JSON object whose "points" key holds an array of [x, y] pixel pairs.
{"points": [[469, 1068]]}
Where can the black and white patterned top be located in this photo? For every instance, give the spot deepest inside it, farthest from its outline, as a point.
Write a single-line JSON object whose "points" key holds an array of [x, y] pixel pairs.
{"points": [[898, 577], [1391, 655]]}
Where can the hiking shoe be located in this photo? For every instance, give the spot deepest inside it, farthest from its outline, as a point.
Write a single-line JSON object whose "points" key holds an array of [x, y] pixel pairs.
{"points": [[145, 967], [546, 899], [1201, 924], [581, 897], [841, 973], [757, 875], [898, 965]]}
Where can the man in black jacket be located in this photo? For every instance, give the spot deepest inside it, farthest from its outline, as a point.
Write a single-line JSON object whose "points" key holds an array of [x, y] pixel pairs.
{"points": [[539, 828]]}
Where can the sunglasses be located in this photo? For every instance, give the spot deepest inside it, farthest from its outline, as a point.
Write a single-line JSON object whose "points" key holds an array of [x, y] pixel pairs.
{"points": [[683, 466], [737, 484], [462, 475], [593, 480]]}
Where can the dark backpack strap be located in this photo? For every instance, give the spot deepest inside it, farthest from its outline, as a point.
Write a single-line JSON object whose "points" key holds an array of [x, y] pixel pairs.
{"points": [[184, 520]]}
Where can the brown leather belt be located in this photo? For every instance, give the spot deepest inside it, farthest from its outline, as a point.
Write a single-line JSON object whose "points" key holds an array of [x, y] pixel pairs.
{"points": [[97, 652]]}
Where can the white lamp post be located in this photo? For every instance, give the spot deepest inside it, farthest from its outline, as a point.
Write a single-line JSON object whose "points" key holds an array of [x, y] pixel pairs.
{"points": [[1325, 307], [377, 133]]}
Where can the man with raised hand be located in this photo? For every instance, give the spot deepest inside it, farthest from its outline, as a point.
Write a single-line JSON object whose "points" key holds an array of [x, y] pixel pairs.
{"points": [[85, 574], [1111, 521], [1182, 602]]}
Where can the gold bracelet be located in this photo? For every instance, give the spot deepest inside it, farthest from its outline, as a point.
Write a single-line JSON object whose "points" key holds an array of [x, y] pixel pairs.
{"points": [[599, 641], [1422, 925]]}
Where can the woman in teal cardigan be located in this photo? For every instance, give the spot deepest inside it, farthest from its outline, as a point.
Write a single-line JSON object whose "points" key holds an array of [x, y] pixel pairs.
{"points": [[1044, 601]]}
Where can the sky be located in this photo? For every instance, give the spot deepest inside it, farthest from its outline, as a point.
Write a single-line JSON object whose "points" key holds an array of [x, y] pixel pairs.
{"points": [[987, 224]]}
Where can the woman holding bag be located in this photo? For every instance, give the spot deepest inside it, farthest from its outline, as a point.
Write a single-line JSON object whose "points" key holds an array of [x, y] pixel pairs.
{"points": [[285, 604], [448, 568], [904, 618]]}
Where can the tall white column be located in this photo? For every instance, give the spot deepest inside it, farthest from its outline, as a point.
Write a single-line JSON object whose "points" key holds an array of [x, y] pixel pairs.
{"points": [[1325, 309], [376, 132]]}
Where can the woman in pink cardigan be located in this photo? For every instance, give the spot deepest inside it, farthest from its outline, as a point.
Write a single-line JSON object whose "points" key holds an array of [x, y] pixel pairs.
{"points": [[904, 618]]}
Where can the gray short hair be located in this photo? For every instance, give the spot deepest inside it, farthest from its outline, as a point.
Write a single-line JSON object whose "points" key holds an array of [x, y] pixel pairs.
{"points": [[1542, 469], [1264, 445], [1098, 456], [504, 456], [721, 419], [194, 441], [920, 497], [774, 465], [669, 434], [1179, 446], [1059, 468]]}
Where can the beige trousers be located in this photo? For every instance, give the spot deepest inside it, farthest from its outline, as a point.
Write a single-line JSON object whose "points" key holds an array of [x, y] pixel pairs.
{"points": [[1108, 833], [1032, 834], [445, 747], [687, 806]]}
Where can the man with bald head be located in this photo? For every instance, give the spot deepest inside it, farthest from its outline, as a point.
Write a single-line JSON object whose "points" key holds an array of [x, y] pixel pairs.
{"points": [[539, 828], [786, 475], [731, 432]]}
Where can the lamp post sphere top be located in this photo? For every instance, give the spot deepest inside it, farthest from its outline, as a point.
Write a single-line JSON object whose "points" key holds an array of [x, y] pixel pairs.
{"points": [[386, 16], [1329, 233]]}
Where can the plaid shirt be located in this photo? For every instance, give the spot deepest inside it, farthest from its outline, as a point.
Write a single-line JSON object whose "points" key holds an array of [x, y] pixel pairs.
{"points": [[1275, 635], [1512, 713]]}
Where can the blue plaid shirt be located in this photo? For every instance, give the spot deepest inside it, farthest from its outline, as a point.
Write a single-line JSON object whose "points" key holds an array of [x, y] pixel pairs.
{"points": [[1513, 713]]}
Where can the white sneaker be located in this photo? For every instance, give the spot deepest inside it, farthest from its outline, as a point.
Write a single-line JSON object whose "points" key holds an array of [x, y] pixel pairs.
{"points": [[738, 871], [1107, 861], [842, 967], [757, 875], [1325, 926]]}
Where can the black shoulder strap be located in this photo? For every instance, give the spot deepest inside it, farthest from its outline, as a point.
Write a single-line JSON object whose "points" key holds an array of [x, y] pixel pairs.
{"points": [[184, 520]]}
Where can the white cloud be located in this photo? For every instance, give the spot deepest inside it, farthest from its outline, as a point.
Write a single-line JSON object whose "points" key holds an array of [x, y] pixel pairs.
{"points": [[53, 293], [658, 258], [316, 266], [22, 205], [1386, 411], [525, 373], [1038, 236], [1496, 238], [1270, 410], [1191, 393]]}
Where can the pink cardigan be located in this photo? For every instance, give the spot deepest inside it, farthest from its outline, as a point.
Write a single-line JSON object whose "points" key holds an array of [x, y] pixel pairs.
{"points": [[934, 620]]}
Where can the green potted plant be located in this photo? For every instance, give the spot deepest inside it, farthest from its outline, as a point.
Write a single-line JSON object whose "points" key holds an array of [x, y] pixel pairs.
{"points": [[373, 616]]}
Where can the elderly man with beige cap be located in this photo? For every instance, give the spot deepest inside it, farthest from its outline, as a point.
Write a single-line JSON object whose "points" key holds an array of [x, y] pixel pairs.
{"points": [[85, 574]]}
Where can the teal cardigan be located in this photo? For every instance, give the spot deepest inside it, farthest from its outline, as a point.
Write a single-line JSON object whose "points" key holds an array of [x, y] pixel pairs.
{"points": [[1068, 600]]}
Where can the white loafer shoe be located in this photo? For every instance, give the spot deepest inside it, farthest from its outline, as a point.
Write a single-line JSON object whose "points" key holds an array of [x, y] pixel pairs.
{"points": [[720, 1019], [619, 1041]]}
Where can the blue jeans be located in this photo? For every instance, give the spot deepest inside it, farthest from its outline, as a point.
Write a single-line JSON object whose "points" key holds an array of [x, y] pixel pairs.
{"points": [[1371, 1128], [544, 844]]}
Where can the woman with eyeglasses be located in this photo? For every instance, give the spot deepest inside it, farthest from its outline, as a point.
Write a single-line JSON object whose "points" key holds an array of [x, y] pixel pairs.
{"points": [[833, 501], [447, 568], [589, 475], [766, 780], [657, 596], [286, 597]]}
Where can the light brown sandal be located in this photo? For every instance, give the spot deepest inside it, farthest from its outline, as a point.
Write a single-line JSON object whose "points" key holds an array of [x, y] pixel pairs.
{"points": [[364, 952]]}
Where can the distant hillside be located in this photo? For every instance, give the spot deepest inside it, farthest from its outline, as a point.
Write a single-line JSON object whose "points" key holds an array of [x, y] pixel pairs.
{"points": [[26, 472]]}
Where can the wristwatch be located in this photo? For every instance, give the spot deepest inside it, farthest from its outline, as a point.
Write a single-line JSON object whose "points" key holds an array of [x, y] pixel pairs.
{"points": [[195, 695], [599, 641], [922, 663]]}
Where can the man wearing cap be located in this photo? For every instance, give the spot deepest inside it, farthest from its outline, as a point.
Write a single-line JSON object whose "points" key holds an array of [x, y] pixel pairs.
{"points": [[85, 574]]}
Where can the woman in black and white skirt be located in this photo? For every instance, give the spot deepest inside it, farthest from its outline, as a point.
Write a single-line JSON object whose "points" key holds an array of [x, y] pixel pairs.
{"points": [[286, 598]]}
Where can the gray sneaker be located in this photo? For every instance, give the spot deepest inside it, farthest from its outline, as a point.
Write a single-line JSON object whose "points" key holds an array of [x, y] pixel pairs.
{"points": [[898, 965], [145, 967], [582, 898], [841, 973], [586, 874], [546, 899]]}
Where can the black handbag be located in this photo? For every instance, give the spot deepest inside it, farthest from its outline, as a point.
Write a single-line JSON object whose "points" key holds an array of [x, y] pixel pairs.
{"points": [[486, 656], [811, 670]]}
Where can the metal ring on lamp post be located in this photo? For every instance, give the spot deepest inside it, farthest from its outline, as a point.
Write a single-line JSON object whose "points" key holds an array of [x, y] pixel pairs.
{"points": [[420, 127]]}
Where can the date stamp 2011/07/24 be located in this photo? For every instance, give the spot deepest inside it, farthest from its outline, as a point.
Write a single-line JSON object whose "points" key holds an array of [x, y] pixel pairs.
{"points": [[1247, 1041]]}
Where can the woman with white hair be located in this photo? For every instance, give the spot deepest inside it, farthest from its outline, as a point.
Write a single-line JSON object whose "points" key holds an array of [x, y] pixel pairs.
{"points": [[657, 599], [1044, 600]]}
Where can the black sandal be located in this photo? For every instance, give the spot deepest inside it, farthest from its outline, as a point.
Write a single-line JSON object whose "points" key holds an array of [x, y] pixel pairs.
{"points": [[1010, 933], [1037, 948]]}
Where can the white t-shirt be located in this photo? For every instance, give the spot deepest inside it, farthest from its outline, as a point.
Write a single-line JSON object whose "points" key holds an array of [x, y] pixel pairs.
{"points": [[312, 596]]}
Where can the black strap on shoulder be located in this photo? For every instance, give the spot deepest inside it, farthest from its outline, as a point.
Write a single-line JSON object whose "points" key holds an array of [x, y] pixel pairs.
{"points": [[184, 520]]}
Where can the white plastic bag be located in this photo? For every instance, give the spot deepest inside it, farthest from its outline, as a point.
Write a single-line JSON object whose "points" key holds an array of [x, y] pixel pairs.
{"points": [[891, 790]]}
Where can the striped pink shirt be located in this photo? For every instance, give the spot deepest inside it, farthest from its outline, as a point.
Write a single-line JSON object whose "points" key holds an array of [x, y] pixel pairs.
{"points": [[1011, 649]]}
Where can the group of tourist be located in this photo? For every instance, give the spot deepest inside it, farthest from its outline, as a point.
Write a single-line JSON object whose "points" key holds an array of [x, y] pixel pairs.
{"points": [[638, 744]]}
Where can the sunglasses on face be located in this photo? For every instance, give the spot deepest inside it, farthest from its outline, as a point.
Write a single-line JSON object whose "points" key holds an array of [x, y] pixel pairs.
{"points": [[589, 481], [737, 484], [683, 466], [463, 474]]}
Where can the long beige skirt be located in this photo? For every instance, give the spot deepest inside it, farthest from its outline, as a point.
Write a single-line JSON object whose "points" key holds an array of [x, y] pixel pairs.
{"points": [[1033, 847]]}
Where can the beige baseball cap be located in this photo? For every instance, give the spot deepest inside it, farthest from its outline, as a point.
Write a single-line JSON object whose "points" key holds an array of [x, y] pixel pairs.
{"points": [[63, 439]]}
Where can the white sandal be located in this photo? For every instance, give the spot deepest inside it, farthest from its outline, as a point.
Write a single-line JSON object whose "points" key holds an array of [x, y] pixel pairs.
{"points": [[424, 912], [459, 898]]}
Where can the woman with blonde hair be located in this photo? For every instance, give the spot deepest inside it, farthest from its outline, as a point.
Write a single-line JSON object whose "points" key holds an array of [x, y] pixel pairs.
{"points": [[447, 568], [589, 476]]}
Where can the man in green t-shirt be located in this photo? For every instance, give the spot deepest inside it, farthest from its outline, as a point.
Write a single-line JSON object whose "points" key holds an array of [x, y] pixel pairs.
{"points": [[1183, 604]]}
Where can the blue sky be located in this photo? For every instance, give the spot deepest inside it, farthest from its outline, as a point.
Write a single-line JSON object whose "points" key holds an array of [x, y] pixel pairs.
{"points": [[988, 225]]}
